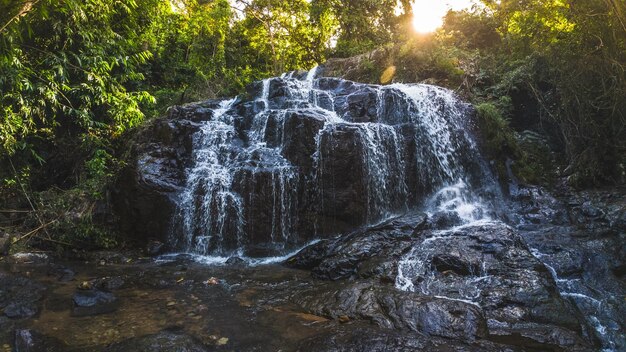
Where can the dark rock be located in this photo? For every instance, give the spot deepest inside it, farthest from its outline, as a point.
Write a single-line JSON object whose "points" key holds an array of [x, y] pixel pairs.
{"points": [[360, 106], [445, 220], [93, 302], [144, 194], [32, 341], [235, 261], [162, 342], [19, 296], [345, 197], [108, 283], [369, 339], [344, 256], [490, 265], [155, 248], [487, 265], [390, 308], [300, 130], [63, 274], [21, 310], [584, 250]]}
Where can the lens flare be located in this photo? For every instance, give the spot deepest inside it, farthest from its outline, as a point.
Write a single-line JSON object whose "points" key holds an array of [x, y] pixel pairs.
{"points": [[428, 14]]}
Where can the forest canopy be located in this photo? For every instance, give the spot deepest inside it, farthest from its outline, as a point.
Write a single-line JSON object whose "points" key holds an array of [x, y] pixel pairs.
{"points": [[76, 75]]}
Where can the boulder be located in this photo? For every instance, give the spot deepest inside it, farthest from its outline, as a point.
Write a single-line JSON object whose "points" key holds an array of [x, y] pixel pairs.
{"points": [[144, 195], [20, 297], [20, 310], [393, 309], [93, 302]]}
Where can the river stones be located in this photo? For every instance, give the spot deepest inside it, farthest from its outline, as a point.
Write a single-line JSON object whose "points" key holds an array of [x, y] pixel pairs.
{"points": [[93, 302], [20, 297]]}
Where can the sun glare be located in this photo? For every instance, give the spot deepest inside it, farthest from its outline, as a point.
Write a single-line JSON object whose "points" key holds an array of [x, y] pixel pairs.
{"points": [[428, 14]]}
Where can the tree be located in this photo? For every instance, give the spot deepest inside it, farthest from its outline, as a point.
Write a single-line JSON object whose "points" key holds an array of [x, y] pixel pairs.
{"points": [[64, 69], [363, 25], [571, 57]]}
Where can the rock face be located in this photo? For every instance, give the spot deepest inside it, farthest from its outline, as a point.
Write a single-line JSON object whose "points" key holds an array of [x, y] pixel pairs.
{"points": [[145, 196], [581, 238], [295, 159]]}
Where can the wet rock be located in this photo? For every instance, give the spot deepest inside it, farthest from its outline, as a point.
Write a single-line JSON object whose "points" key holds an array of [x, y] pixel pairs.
{"points": [[445, 220], [62, 273], [347, 195], [93, 302], [585, 252], [33, 341], [195, 112], [486, 266], [369, 339], [390, 308], [366, 253], [359, 106], [144, 195], [490, 265], [29, 258], [162, 342], [155, 248], [300, 131], [108, 283], [235, 261], [19, 296], [21, 310]]}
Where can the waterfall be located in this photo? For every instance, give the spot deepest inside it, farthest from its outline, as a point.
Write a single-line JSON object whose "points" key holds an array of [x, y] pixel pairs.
{"points": [[306, 157], [301, 158]]}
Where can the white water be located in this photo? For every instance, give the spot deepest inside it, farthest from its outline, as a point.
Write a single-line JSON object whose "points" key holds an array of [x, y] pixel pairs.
{"points": [[575, 290], [222, 260], [208, 188]]}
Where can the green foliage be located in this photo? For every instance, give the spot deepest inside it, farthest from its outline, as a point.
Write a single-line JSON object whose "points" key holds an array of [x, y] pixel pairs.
{"points": [[63, 70], [530, 159], [363, 25], [70, 215], [577, 76]]}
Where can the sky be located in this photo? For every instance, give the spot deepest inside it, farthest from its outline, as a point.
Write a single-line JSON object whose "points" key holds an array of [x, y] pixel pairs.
{"points": [[428, 14]]}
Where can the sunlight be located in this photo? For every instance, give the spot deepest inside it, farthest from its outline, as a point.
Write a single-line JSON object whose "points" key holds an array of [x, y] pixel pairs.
{"points": [[428, 14]]}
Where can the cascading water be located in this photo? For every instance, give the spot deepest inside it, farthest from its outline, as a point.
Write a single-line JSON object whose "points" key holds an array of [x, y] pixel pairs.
{"points": [[250, 191]]}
